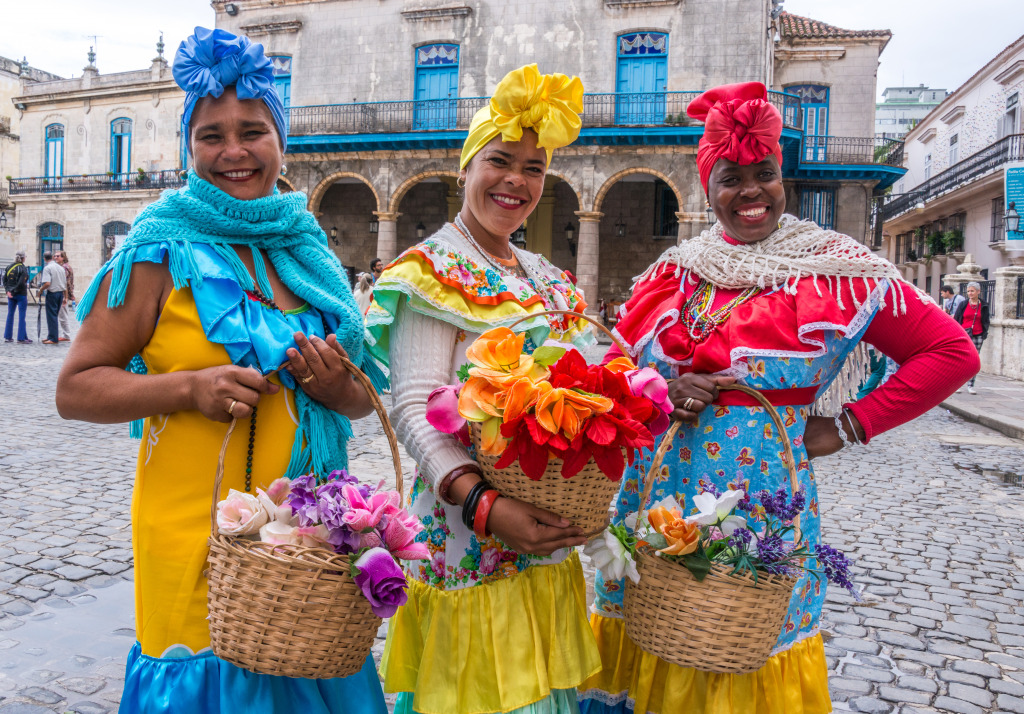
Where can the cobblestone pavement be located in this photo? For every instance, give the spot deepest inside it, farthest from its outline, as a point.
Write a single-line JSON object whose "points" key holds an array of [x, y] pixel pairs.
{"points": [[932, 512]]}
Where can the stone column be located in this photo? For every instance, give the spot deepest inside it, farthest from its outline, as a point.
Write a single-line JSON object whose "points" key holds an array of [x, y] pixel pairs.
{"points": [[691, 223], [967, 272], [1005, 342], [588, 256], [387, 235]]}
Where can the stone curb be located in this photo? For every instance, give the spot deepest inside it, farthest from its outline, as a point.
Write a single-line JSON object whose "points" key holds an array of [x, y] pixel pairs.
{"points": [[1013, 428]]}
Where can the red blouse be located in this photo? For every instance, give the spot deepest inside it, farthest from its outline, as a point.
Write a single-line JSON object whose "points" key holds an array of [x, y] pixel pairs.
{"points": [[934, 353], [972, 318]]}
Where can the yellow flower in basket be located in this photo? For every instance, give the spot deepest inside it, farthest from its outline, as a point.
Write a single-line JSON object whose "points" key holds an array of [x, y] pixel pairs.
{"points": [[497, 356], [620, 364], [565, 410], [681, 535]]}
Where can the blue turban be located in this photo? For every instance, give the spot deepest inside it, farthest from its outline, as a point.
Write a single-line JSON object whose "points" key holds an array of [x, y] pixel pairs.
{"points": [[211, 60]]}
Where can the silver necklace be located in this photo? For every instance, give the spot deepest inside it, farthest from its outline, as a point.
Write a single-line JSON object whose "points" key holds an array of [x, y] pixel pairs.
{"points": [[504, 269]]}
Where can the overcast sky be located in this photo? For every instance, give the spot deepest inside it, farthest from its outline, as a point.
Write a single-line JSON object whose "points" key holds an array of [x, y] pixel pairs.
{"points": [[939, 43]]}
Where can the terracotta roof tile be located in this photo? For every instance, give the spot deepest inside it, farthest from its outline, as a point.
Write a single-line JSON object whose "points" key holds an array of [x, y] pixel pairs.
{"points": [[804, 27]]}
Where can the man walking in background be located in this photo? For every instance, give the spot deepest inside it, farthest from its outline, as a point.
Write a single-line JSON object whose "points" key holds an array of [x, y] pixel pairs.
{"points": [[950, 300], [15, 280], [66, 316], [54, 283]]}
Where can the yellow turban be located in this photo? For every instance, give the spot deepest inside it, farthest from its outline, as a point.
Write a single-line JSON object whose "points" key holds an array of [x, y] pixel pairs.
{"points": [[550, 104]]}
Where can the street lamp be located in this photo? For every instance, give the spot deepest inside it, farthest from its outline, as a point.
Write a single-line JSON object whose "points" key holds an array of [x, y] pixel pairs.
{"points": [[3, 220], [620, 227], [421, 231], [518, 238], [570, 238], [711, 215], [334, 235], [1012, 219], [374, 225]]}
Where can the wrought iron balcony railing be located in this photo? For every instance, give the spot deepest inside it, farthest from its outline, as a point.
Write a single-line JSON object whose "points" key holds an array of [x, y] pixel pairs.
{"points": [[599, 110], [133, 181], [851, 150], [993, 156]]}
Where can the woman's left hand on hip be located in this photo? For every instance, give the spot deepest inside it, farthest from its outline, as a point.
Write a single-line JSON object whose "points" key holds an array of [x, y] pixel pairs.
{"points": [[317, 368]]}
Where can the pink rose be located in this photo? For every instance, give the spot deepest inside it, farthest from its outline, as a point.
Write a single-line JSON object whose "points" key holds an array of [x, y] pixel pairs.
{"points": [[648, 383], [365, 513], [278, 533], [240, 514], [382, 581], [437, 563], [489, 561], [443, 409]]}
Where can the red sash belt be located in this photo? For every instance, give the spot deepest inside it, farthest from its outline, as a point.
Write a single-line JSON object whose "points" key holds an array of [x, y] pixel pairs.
{"points": [[798, 396]]}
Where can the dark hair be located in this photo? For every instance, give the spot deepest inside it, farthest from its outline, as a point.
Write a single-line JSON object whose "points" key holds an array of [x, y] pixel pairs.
{"points": [[374, 262], [947, 289], [47, 255]]}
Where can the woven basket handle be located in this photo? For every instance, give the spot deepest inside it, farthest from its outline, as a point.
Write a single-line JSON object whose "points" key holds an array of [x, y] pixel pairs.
{"points": [[581, 316], [378, 406], [667, 439]]}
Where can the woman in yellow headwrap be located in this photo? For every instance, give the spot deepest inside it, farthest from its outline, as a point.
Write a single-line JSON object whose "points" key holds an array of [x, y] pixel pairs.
{"points": [[494, 622]]}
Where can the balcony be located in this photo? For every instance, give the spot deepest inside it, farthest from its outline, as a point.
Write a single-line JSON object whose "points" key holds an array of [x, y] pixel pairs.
{"points": [[438, 115], [992, 157], [851, 150], [94, 183]]}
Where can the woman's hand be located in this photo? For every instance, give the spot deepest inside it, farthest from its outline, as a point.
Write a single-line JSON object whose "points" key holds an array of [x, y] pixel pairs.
{"points": [[692, 393], [821, 437], [220, 393], [528, 529], [317, 368]]}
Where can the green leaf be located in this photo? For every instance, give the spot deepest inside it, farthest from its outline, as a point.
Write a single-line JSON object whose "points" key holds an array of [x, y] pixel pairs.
{"points": [[463, 373], [656, 540], [698, 564], [547, 355], [468, 563]]}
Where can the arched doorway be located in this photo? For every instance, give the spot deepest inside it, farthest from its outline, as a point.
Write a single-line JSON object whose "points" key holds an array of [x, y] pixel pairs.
{"points": [[639, 223], [113, 234], [425, 206], [346, 213], [51, 238]]}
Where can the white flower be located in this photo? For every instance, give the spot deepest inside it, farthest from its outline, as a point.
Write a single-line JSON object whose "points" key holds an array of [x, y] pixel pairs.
{"points": [[240, 514], [716, 511], [279, 533], [275, 500], [611, 557]]}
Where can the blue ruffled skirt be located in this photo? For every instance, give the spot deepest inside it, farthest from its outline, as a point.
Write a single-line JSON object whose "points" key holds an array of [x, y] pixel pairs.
{"points": [[204, 684]]}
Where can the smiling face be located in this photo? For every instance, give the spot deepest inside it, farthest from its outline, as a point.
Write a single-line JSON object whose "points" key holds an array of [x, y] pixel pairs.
{"points": [[504, 182], [973, 293], [235, 145], [748, 200]]}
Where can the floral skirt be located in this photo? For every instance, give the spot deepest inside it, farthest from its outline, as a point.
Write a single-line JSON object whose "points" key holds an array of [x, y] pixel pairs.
{"points": [[497, 647]]}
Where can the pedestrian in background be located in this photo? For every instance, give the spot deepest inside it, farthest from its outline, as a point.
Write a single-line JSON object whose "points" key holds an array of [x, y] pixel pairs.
{"points": [[951, 300], [16, 286], [54, 283], [376, 268], [364, 292], [973, 316], [66, 316]]}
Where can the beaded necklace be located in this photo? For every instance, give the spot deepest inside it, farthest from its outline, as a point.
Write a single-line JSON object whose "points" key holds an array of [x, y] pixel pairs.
{"points": [[512, 266], [698, 317], [258, 296]]}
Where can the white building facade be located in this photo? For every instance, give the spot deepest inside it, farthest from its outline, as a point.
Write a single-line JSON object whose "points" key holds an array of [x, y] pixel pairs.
{"points": [[902, 108]]}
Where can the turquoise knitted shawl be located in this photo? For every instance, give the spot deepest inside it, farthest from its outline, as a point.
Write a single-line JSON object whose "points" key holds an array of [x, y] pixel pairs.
{"points": [[280, 226]]}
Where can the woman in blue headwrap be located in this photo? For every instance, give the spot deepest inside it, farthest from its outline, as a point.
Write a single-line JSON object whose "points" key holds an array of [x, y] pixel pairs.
{"points": [[217, 285]]}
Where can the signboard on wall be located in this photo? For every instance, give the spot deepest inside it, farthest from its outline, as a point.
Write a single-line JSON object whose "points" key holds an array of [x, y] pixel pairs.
{"points": [[1013, 185]]}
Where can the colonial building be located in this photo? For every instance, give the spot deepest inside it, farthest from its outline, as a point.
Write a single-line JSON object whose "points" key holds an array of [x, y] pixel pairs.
{"points": [[380, 94], [946, 216], [13, 76]]}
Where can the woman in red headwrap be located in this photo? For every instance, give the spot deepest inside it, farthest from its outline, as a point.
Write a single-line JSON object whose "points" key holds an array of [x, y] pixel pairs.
{"points": [[783, 306]]}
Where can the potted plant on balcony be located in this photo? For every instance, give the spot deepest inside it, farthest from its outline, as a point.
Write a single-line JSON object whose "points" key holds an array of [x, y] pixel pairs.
{"points": [[936, 243], [911, 255], [953, 240]]}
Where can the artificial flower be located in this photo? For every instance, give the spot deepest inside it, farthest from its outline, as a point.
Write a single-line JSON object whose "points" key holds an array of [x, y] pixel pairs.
{"points": [[366, 512], [443, 409], [278, 533], [682, 536], [650, 384], [382, 581], [620, 364], [240, 514], [565, 410], [611, 557], [716, 510], [497, 356], [302, 499], [400, 538]]}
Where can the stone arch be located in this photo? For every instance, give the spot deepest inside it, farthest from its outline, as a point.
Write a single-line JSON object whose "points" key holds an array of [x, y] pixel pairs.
{"points": [[317, 194], [399, 193], [568, 182], [289, 184], [615, 178]]}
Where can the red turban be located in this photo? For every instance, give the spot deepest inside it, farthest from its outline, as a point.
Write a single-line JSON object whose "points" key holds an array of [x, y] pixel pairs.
{"points": [[739, 125]]}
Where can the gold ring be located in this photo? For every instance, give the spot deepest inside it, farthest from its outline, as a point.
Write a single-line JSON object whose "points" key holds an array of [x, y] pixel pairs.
{"points": [[688, 404], [308, 379], [231, 408]]}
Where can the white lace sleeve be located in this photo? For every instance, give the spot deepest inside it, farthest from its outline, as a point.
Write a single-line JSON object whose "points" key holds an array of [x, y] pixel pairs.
{"points": [[421, 354]]}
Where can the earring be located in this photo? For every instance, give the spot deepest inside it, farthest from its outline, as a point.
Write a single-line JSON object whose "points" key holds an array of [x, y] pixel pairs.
{"points": [[460, 182], [284, 169]]}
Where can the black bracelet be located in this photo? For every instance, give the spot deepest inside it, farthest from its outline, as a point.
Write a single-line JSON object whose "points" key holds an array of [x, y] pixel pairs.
{"points": [[471, 502]]}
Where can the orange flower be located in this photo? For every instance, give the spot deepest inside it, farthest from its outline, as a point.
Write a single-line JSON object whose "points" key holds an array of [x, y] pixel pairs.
{"points": [[519, 398], [682, 536], [566, 410], [659, 516], [620, 364], [479, 399], [498, 349], [492, 442]]}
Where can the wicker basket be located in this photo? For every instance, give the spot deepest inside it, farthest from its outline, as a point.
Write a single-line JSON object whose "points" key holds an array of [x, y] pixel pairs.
{"points": [[585, 499], [724, 623], [288, 610]]}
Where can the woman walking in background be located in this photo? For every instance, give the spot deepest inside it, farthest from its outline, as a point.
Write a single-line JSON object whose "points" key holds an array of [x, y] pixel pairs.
{"points": [[973, 316], [363, 292]]}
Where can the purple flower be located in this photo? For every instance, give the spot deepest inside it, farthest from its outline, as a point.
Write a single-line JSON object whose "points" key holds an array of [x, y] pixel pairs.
{"points": [[331, 509], [707, 486], [770, 550], [382, 581], [302, 500], [778, 505], [740, 538], [836, 566]]}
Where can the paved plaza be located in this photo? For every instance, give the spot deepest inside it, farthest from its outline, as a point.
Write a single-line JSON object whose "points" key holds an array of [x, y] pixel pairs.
{"points": [[932, 513]]}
